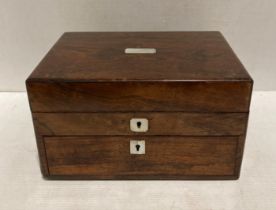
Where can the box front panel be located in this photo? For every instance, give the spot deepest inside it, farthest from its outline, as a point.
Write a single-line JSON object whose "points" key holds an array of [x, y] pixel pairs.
{"points": [[105, 157], [215, 113]]}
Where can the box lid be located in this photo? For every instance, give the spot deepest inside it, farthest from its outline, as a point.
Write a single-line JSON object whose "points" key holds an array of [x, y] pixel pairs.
{"points": [[169, 56]]}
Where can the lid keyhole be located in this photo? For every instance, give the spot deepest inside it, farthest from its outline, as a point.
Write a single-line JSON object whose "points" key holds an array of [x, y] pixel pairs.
{"points": [[137, 147], [139, 124]]}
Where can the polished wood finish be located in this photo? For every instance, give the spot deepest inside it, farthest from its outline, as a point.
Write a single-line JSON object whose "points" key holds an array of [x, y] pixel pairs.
{"points": [[94, 57], [194, 91], [160, 123], [139, 96], [165, 156]]}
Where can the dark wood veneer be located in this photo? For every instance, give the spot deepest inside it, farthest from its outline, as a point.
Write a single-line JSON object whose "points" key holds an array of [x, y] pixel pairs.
{"points": [[99, 56], [173, 156], [160, 123], [140, 96], [194, 91]]}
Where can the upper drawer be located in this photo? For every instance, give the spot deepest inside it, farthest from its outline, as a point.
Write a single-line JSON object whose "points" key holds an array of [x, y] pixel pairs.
{"points": [[193, 96], [158, 123]]}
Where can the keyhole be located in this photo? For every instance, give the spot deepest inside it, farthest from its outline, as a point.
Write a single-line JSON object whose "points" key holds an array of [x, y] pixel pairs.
{"points": [[139, 124], [137, 147]]}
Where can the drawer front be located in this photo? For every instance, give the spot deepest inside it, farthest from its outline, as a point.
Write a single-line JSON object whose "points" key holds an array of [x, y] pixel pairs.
{"points": [[158, 123], [193, 96], [164, 157]]}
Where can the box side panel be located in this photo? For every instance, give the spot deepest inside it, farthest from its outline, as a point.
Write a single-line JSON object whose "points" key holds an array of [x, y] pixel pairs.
{"points": [[40, 145]]}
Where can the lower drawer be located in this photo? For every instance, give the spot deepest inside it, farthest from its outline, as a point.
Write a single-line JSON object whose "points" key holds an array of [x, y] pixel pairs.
{"points": [[165, 157]]}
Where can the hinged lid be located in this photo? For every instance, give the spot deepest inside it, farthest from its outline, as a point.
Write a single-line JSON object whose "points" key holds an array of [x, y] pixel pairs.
{"points": [[140, 71]]}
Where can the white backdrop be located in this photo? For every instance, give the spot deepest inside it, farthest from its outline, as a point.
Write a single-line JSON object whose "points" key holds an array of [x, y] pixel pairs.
{"points": [[29, 28]]}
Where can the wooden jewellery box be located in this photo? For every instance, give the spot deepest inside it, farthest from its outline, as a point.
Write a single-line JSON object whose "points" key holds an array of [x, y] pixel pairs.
{"points": [[140, 105]]}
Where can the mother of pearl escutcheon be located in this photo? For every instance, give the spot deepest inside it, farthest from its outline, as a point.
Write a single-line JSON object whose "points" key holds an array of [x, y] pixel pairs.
{"points": [[139, 124], [137, 147]]}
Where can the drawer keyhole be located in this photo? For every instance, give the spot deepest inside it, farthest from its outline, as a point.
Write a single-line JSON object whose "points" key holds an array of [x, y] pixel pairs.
{"points": [[137, 147], [139, 124]]}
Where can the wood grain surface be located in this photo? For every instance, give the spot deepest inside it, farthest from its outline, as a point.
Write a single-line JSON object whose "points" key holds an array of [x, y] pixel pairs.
{"points": [[140, 96], [194, 91], [96, 56], [160, 123], [109, 157]]}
